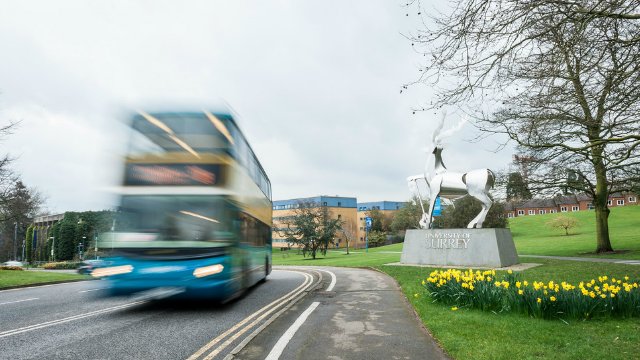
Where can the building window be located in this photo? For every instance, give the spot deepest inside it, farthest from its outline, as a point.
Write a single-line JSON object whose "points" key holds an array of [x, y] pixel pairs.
{"points": [[520, 212], [339, 204], [590, 206], [339, 216], [632, 199], [609, 202], [510, 215], [532, 212], [620, 202], [563, 209], [574, 208], [361, 228], [541, 212], [324, 203], [552, 211]]}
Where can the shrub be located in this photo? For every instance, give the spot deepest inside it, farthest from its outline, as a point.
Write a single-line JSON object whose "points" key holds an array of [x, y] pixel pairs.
{"points": [[376, 238], [63, 265], [2, 267]]}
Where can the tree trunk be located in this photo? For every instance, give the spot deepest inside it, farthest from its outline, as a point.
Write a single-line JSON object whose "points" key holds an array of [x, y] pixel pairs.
{"points": [[602, 229], [600, 201], [602, 214]]}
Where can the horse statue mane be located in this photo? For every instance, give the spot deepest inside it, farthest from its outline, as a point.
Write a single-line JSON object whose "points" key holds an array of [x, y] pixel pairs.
{"points": [[451, 185]]}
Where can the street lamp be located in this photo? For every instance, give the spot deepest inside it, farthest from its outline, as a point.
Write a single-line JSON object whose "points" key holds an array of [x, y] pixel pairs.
{"points": [[95, 249], [15, 241], [53, 247], [81, 247]]}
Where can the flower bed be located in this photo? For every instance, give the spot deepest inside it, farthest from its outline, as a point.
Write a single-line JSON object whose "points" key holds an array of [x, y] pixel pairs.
{"points": [[10, 267], [62, 265], [606, 297]]}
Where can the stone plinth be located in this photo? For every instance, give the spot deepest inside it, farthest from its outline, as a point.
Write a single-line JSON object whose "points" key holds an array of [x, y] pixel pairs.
{"points": [[459, 247]]}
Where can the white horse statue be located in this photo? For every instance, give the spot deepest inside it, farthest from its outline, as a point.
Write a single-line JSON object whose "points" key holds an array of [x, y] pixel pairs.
{"points": [[451, 185]]}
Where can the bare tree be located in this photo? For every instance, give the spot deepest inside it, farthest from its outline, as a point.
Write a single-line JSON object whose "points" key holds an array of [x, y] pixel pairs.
{"points": [[563, 222], [349, 234], [560, 78]]}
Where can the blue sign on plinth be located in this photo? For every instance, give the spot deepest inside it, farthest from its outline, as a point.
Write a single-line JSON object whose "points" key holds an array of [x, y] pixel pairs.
{"points": [[437, 207]]}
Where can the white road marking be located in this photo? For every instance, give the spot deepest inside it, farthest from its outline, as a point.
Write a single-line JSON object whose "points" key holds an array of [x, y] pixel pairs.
{"points": [[240, 327], [288, 335], [67, 319], [17, 301], [333, 280], [84, 291]]}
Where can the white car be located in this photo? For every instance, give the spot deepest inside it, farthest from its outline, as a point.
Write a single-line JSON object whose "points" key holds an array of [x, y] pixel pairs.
{"points": [[12, 263]]}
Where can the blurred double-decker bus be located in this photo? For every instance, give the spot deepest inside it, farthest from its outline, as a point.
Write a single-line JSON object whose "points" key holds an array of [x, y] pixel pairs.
{"points": [[195, 210]]}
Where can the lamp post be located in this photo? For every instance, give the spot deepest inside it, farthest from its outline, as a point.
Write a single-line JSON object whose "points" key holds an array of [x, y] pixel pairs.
{"points": [[368, 222], [95, 239], [53, 247], [15, 241], [81, 248]]}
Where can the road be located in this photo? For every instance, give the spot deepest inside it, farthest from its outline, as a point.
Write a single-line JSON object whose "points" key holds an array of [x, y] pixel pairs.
{"points": [[71, 321], [299, 313]]}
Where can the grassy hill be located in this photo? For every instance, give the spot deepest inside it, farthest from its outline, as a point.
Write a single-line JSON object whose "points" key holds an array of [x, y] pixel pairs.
{"points": [[533, 236]]}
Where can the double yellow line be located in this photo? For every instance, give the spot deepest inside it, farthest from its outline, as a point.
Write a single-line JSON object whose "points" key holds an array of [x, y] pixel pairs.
{"points": [[217, 345]]}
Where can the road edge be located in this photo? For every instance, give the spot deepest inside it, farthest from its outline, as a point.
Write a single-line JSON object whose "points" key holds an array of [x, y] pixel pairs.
{"points": [[56, 282]]}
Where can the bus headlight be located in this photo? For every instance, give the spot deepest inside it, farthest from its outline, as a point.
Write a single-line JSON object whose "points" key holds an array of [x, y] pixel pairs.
{"points": [[113, 270], [208, 270]]}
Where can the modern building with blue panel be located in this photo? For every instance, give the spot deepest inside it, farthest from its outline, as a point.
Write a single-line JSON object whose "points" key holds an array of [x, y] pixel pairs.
{"points": [[387, 208], [329, 201], [343, 208], [346, 209]]}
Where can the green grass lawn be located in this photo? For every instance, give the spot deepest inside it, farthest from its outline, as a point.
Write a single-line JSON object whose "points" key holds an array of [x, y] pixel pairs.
{"points": [[473, 334], [10, 278], [533, 237], [356, 258]]}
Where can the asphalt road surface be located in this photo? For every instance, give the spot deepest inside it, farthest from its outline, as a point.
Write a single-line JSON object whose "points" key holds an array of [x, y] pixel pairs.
{"points": [[71, 321], [299, 313]]}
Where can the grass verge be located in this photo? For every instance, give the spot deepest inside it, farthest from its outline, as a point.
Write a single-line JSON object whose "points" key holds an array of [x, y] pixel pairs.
{"points": [[14, 278], [473, 334]]}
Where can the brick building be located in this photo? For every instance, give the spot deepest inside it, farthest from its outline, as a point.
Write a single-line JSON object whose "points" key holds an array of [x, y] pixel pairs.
{"points": [[567, 203]]}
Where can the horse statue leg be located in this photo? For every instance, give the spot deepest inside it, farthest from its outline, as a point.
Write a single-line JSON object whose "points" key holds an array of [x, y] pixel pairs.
{"points": [[415, 189], [486, 204], [478, 185]]}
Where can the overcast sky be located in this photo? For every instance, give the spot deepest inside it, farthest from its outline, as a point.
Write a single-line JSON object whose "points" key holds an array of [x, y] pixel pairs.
{"points": [[316, 85]]}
